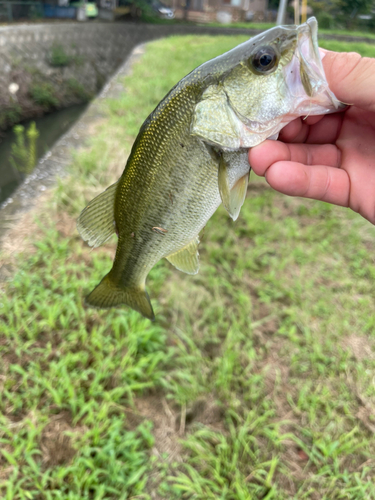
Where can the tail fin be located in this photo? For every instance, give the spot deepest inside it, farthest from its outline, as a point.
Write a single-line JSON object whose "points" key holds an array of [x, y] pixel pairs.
{"points": [[108, 294]]}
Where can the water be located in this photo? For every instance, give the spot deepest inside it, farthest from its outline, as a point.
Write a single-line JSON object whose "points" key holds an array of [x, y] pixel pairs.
{"points": [[50, 128]]}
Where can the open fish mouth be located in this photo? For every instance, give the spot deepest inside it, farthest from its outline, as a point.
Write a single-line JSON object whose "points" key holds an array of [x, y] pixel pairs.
{"points": [[308, 73]]}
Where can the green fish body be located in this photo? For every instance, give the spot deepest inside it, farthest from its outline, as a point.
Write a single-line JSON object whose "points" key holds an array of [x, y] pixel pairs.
{"points": [[191, 155]]}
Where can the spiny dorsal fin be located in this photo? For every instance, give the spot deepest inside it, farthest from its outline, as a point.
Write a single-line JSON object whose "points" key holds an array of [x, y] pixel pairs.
{"points": [[96, 222], [186, 259]]}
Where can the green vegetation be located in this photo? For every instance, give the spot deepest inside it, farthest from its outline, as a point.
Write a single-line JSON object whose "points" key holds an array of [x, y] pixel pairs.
{"points": [[257, 375], [9, 115], [58, 56], [365, 49], [44, 95], [77, 89], [347, 11], [362, 34], [24, 156]]}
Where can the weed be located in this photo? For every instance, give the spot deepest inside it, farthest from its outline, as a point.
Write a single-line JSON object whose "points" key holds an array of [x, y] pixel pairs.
{"points": [[24, 157], [78, 90], [10, 115], [44, 95], [58, 57]]}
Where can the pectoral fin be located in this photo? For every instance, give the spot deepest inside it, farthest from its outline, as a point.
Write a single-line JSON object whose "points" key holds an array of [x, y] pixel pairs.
{"points": [[96, 223], [186, 259], [233, 178]]}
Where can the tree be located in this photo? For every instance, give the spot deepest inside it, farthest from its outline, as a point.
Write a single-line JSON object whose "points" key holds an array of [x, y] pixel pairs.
{"points": [[350, 9]]}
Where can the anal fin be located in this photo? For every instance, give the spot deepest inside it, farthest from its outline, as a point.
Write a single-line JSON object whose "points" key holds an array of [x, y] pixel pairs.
{"points": [[186, 259], [96, 223]]}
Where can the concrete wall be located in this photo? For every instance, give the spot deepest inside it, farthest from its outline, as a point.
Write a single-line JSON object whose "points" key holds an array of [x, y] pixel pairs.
{"points": [[57, 65], [47, 66]]}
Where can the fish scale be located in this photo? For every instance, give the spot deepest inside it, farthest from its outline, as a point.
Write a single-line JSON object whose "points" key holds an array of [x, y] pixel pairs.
{"points": [[191, 155]]}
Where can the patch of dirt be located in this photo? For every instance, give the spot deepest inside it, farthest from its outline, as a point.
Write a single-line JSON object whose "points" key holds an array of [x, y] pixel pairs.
{"points": [[359, 346], [66, 225], [212, 349], [155, 408], [204, 411], [170, 425], [56, 446]]}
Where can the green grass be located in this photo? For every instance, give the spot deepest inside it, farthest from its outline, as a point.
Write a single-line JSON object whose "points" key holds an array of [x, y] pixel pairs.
{"points": [[364, 49], [255, 381], [361, 34]]}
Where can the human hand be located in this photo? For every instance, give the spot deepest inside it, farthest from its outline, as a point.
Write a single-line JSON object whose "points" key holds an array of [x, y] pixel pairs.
{"points": [[332, 157]]}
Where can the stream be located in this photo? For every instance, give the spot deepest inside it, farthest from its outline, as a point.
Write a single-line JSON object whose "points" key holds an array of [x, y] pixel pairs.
{"points": [[50, 127]]}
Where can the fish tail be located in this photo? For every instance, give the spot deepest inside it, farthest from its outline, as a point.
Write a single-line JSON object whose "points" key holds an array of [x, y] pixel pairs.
{"points": [[109, 294]]}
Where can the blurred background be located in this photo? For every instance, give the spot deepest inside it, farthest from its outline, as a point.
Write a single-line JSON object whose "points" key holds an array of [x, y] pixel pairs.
{"points": [[358, 14]]}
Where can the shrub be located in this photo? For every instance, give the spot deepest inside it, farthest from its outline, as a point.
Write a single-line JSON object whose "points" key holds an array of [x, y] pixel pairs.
{"points": [[76, 88], [44, 95], [59, 57], [24, 156], [326, 20]]}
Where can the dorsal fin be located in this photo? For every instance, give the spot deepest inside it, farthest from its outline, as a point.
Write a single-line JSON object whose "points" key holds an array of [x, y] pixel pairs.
{"points": [[186, 259], [96, 222]]}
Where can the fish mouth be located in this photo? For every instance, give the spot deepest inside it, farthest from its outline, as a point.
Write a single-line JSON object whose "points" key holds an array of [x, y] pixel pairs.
{"points": [[311, 69]]}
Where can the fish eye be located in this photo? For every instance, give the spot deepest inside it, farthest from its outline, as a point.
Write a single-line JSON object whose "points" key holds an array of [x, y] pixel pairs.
{"points": [[264, 60]]}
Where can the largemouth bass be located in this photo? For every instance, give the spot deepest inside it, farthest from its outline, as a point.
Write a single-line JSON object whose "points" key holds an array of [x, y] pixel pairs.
{"points": [[191, 154]]}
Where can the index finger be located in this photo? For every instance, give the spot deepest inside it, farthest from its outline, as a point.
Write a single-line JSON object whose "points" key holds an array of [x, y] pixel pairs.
{"points": [[263, 156]]}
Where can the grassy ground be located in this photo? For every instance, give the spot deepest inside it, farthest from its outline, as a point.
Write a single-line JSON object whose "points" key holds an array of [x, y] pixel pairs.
{"points": [[256, 380]]}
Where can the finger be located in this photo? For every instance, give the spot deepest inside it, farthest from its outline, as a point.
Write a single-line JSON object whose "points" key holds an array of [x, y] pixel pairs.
{"points": [[327, 130], [318, 182], [295, 131], [269, 152], [351, 78]]}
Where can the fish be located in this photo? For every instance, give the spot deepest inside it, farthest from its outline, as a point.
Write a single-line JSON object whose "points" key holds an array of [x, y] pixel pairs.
{"points": [[191, 155]]}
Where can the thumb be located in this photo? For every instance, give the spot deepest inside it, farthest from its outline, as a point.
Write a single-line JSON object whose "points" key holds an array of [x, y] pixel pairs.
{"points": [[351, 78]]}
